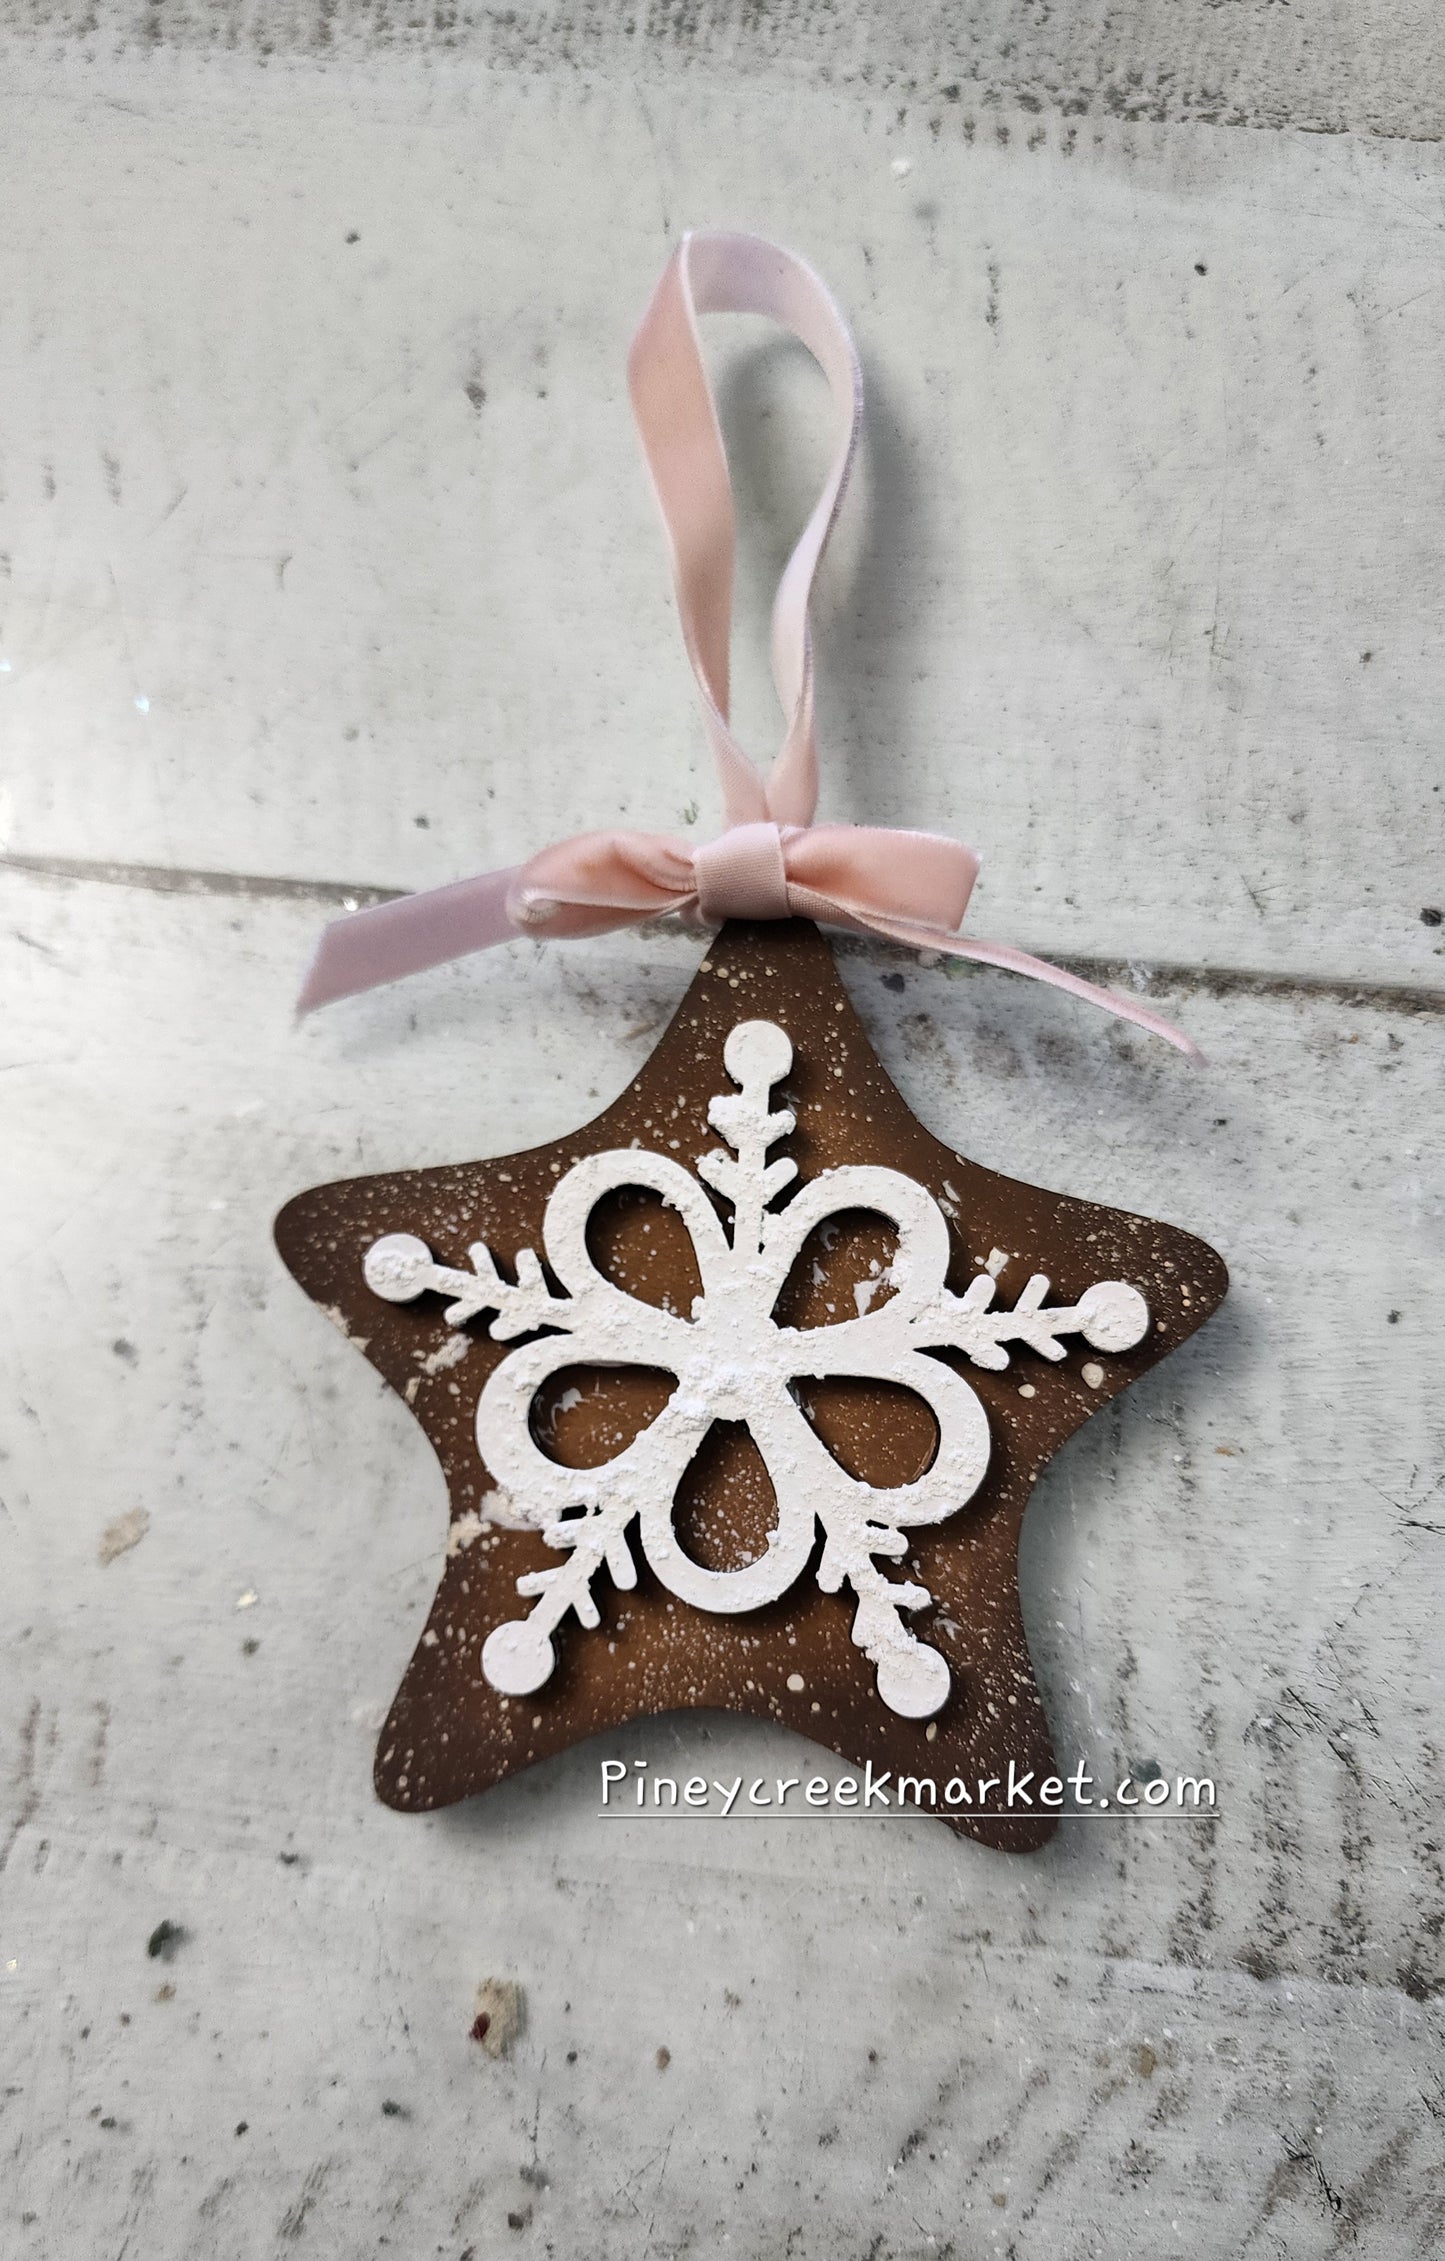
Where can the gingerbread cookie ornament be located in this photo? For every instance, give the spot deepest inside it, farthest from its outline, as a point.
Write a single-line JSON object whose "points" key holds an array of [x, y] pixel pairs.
{"points": [[741, 1389]]}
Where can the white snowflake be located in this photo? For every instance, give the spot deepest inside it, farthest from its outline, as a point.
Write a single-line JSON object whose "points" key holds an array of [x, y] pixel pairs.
{"points": [[733, 1362]]}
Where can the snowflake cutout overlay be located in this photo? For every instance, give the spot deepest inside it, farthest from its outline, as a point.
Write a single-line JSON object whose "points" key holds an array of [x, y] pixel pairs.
{"points": [[733, 1362]]}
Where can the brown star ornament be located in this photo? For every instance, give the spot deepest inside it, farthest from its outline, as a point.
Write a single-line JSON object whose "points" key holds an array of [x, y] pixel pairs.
{"points": [[740, 1392]]}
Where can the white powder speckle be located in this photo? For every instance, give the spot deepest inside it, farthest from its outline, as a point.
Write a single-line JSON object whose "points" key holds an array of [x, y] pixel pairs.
{"points": [[339, 1320], [449, 1353]]}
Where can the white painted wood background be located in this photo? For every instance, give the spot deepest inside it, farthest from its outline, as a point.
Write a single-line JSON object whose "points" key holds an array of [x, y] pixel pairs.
{"points": [[329, 565]]}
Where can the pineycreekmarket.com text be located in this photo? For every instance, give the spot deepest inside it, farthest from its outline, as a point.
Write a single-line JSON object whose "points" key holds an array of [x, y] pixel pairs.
{"points": [[634, 1788]]}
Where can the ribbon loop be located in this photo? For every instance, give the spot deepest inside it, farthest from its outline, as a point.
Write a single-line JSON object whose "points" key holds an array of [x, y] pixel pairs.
{"points": [[772, 861], [676, 417]]}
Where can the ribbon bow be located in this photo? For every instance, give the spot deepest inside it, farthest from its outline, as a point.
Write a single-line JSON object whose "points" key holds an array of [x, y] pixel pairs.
{"points": [[772, 862]]}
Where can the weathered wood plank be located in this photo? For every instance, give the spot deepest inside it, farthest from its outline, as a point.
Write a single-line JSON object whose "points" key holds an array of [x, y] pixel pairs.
{"points": [[330, 553], [1237, 1574], [1360, 66]]}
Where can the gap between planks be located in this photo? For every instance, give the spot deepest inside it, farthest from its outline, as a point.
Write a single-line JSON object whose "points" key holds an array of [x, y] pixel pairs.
{"points": [[1217, 981]]}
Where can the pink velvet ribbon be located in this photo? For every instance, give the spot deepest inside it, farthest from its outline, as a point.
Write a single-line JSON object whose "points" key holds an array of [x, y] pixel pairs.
{"points": [[772, 861]]}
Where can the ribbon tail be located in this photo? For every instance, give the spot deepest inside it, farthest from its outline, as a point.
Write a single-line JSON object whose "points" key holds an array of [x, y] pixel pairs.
{"points": [[391, 940], [1093, 993], [920, 936]]}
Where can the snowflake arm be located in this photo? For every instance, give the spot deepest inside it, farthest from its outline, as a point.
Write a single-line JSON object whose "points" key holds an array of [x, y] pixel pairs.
{"points": [[518, 1656], [400, 1267], [913, 1679], [1110, 1316], [756, 1055]]}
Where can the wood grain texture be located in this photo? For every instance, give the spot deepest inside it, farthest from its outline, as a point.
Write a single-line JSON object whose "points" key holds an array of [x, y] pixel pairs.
{"points": [[1126, 534], [1335, 66]]}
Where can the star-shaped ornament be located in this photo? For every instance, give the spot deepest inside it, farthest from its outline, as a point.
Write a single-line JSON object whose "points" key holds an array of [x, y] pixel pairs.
{"points": [[740, 1392]]}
